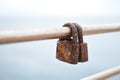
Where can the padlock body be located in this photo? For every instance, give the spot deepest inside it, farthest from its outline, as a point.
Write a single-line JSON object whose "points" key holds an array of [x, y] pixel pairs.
{"points": [[67, 51], [83, 55]]}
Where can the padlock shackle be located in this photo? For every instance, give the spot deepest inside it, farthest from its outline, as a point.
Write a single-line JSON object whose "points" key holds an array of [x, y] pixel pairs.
{"points": [[74, 32], [80, 32]]}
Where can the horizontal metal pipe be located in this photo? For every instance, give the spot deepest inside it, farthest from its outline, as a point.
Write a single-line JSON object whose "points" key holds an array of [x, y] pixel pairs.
{"points": [[105, 74], [12, 36]]}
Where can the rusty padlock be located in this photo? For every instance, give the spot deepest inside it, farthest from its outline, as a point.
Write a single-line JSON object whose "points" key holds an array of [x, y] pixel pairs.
{"points": [[83, 51], [68, 47]]}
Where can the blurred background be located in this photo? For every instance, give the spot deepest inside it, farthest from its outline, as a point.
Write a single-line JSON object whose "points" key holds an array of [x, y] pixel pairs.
{"points": [[36, 60]]}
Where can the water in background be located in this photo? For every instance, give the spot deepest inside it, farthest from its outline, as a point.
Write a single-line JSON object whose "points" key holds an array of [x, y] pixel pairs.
{"points": [[36, 60]]}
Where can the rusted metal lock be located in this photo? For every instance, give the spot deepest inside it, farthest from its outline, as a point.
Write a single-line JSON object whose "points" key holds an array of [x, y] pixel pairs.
{"points": [[83, 51], [68, 47]]}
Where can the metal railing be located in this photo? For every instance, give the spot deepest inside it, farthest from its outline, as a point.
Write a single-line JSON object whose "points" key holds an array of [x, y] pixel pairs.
{"points": [[13, 36], [105, 74]]}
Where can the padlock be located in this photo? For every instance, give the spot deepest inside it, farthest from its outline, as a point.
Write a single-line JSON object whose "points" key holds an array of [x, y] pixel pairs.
{"points": [[68, 47], [83, 51]]}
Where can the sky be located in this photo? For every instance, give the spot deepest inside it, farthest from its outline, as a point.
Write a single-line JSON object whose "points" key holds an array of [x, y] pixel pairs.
{"points": [[38, 8]]}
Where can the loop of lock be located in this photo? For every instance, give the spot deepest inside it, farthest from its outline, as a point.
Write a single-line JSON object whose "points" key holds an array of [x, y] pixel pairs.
{"points": [[72, 49]]}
